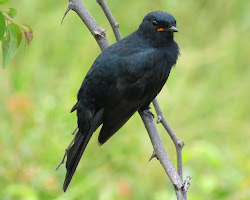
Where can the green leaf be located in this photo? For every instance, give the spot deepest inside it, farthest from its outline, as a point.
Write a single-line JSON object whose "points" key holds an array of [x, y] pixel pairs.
{"points": [[11, 42], [18, 32], [2, 25], [3, 2], [12, 12]]}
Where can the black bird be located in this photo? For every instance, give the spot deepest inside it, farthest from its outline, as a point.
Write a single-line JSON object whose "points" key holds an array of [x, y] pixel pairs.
{"points": [[125, 78]]}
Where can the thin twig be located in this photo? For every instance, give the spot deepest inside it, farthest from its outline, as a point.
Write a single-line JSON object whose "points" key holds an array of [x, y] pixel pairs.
{"points": [[98, 33], [73, 133], [178, 143], [111, 19], [66, 151], [161, 154]]}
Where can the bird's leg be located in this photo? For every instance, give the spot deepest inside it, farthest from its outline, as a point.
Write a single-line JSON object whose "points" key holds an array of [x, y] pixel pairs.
{"points": [[148, 112], [66, 150]]}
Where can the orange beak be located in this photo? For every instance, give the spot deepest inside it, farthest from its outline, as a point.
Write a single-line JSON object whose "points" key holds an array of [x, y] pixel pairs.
{"points": [[160, 29], [171, 29]]}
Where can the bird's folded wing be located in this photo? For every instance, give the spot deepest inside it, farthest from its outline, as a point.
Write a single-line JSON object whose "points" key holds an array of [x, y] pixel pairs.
{"points": [[128, 93]]}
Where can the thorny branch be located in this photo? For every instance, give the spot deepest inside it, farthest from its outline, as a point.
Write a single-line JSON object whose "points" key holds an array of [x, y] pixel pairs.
{"points": [[98, 33], [178, 144], [161, 154], [147, 117]]}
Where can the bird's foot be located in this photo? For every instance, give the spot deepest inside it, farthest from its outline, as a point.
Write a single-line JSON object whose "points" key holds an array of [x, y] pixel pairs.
{"points": [[148, 113]]}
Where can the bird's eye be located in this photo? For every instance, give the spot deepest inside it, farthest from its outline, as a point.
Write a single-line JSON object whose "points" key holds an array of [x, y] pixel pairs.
{"points": [[154, 23]]}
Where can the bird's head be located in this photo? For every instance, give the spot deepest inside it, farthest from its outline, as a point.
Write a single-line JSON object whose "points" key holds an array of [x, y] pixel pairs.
{"points": [[158, 25]]}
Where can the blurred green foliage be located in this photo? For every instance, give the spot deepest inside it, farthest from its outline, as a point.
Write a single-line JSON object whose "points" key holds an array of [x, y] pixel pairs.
{"points": [[12, 35], [206, 101]]}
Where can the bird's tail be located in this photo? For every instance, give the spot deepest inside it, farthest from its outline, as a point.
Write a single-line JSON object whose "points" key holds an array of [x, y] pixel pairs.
{"points": [[75, 152], [74, 155]]}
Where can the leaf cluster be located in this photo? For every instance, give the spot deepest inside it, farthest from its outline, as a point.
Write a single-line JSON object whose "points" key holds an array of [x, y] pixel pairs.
{"points": [[12, 34]]}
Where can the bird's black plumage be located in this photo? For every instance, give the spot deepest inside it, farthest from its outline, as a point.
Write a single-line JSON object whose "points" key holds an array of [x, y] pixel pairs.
{"points": [[125, 78]]}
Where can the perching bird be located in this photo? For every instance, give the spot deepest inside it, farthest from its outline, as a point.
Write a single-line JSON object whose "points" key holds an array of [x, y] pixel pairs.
{"points": [[125, 78]]}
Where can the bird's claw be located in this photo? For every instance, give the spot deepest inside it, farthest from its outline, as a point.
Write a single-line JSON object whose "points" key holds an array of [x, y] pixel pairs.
{"points": [[148, 113]]}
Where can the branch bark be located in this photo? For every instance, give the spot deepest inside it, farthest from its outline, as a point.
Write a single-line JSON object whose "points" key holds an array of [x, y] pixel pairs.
{"points": [[178, 143], [98, 33], [147, 117], [111, 19], [161, 154]]}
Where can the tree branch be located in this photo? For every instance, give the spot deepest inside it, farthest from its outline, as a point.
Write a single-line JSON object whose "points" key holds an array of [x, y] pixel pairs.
{"points": [[113, 23], [147, 117], [178, 143], [161, 154], [98, 33]]}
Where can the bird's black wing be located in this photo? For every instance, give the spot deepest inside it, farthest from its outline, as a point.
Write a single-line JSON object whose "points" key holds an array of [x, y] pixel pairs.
{"points": [[134, 86]]}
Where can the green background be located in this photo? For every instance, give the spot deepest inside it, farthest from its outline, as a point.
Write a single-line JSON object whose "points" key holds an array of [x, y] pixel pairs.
{"points": [[206, 101]]}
